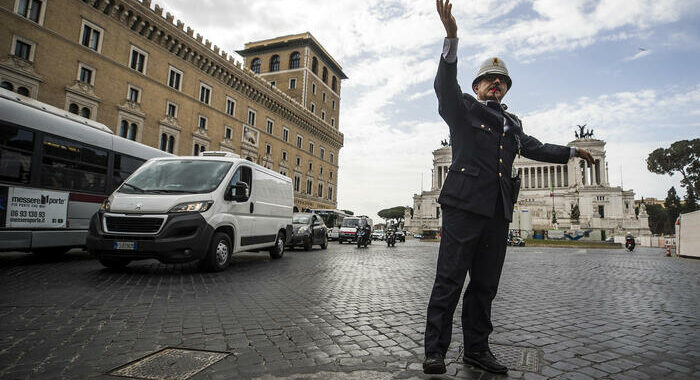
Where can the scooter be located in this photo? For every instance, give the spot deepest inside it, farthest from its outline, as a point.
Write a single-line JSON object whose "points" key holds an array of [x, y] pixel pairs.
{"points": [[629, 243], [363, 237], [390, 238]]}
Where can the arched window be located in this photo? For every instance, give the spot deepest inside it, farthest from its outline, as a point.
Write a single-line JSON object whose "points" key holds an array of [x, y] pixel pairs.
{"points": [[85, 112], [132, 131], [73, 108], [23, 91], [196, 149], [324, 75], [275, 63], [314, 65], [7, 85], [171, 144], [294, 60], [123, 128], [255, 65], [334, 83], [163, 142]]}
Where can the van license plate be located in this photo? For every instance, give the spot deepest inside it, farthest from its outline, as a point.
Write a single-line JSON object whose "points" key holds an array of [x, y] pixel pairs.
{"points": [[125, 245]]}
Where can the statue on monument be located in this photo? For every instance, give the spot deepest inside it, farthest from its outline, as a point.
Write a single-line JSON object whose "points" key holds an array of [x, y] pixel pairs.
{"points": [[582, 133]]}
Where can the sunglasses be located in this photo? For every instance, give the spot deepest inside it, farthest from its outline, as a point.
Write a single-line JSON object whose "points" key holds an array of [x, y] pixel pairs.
{"points": [[493, 77]]}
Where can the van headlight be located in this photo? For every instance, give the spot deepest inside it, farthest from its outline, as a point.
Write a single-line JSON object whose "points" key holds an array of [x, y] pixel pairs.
{"points": [[200, 206], [106, 205]]}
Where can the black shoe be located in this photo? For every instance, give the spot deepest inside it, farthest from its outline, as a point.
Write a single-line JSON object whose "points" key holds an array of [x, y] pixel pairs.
{"points": [[484, 360], [434, 364]]}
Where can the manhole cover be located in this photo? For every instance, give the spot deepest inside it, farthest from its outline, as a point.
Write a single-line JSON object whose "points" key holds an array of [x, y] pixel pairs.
{"points": [[170, 363], [518, 358]]}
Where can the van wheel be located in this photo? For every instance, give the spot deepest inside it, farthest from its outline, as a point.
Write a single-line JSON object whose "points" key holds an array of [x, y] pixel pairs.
{"points": [[114, 263], [324, 245], [219, 256], [277, 251]]}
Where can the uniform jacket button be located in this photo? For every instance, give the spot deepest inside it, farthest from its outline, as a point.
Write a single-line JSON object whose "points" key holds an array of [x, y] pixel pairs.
{"points": [[501, 146], [482, 126], [500, 160], [500, 175], [462, 169]]}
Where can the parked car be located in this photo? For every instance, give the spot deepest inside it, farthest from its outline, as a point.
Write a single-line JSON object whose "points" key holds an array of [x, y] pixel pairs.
{"points": [[400, 236], [378, 235], [348, 229], [417, 236], [203, 208], [308, 230]]}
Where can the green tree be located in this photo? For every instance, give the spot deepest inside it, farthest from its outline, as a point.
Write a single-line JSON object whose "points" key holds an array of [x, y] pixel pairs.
{"points": [[395, 213], [673, 205], [575, 214], [658, 220], [691, 202], [682, 157]]}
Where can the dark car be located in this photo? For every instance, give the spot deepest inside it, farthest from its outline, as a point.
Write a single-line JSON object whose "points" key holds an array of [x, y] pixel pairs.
{"points": [[308, 230], [400, 236]]}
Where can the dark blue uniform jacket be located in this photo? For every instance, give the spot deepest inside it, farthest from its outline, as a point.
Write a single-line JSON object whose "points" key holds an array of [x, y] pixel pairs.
{"points": [[482, 154]]}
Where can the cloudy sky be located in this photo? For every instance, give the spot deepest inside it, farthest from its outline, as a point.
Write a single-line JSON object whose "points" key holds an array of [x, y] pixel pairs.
{"points": [[627, 68]]}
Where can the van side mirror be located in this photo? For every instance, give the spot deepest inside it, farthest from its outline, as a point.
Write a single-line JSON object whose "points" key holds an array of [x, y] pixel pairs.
{"points": [[238, 192]]}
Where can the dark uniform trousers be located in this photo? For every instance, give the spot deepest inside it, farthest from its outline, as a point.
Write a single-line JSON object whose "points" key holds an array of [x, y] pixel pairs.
{"points": [[473, 244]]}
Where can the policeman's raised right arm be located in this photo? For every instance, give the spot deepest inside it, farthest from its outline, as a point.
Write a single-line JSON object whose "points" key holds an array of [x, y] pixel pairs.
{"points": [[446, 87]]}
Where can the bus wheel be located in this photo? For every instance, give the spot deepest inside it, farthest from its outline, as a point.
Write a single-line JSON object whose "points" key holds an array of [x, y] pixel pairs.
{"points": [[114, 263], [219, 256], [277, 251]]}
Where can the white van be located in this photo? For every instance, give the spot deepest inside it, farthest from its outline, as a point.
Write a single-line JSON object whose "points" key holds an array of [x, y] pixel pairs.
{"points": [[348, 229], [181, 209]]}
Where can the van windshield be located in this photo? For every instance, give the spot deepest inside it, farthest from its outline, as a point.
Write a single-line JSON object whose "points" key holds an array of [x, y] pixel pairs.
{"points": [[176, 176], [350, 222]]}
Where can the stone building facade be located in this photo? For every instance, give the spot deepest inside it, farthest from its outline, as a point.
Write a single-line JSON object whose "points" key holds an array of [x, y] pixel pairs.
{"points": [[149, 78], [604, 209]]}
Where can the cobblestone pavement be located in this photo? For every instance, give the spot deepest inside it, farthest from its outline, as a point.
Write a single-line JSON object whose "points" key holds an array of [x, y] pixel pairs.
{"points": [[349, 313]]}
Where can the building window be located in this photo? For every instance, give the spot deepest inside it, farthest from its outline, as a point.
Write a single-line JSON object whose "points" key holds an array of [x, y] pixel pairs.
{"points": [[195, 151], [294, 60], [175, 78], [204, 93], [330, 192], [330, 174], [167, 142], [311, 166], [324, 75], [255, 65], [298, 160], [138, 60], [314, 65], [297, 181], [91, 36], [7, 85], [323, 96], [309, 186], [332, 157], [270, 125], [323, 153], [284, 155], [22, 50], [268, 149], [275, 63], [313, 88], [333, 105], [273, 84], [323, 115], [228, 133], [85, 74], [171, 110], [230, 106], [332, 122], [202, 122], [128, 130], [134, 94], [285, 134], [313, 108], [31, 9], [320, 171], [311, 147], [320, 190], [73, 108], [251, 117], [293, 83], [334, 83], [300, 140], [85, 112]]}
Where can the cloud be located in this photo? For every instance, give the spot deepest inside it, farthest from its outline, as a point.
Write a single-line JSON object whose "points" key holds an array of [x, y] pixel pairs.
{"points": [[641, 53]]}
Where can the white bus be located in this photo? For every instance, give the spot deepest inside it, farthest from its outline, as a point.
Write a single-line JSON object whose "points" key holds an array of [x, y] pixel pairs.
{"points": [[333, 219], [56, 168]]}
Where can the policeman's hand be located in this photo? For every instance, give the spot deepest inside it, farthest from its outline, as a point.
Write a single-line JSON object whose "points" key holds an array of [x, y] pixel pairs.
{"points": [[445, 12], [580, 152]]}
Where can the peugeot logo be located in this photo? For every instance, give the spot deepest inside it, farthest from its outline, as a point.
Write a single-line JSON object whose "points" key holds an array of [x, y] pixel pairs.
{"points": [[138, 206]]}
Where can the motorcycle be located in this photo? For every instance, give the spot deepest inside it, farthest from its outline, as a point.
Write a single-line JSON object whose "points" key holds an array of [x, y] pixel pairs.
{"points": [[515, 241], [629, 243], [390, 238], [363, 237]]}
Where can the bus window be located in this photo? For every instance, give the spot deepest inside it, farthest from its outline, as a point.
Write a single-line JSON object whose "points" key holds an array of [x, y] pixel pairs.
{"points": [[123, 167], [16, 147], [70, 165]]}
